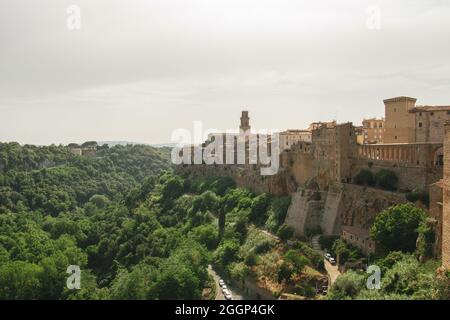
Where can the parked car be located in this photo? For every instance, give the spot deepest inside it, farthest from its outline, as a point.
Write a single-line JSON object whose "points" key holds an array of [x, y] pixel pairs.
{"points": [[327, 256], [221, 283], [332, 261], [224, 288], [227, 294]]}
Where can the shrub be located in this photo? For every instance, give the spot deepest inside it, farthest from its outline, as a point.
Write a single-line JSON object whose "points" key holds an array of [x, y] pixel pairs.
{"points": [[326, 242], [285, 232], [365, 177], [347, 286], [263, 247], [251, 259], [386, 179], [418, 195]]}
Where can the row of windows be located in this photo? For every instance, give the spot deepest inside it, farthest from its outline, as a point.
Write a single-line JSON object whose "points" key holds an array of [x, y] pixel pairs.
{"points": [[432, 113], [373, 125]]}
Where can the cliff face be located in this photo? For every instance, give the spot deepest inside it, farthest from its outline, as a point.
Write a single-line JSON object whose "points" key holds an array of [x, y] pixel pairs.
{"points": [[341, 204], [249, 176], [360, 205], [314, 205]]}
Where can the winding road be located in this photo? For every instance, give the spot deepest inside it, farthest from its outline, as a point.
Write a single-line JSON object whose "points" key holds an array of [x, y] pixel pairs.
{"points": [[219, 295], [332, 271]]}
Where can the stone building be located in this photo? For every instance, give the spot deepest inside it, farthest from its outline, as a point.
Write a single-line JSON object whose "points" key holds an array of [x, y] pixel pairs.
{"points": [[245, 122], [319, 175], [446, 201], [359, 238], [373, 130], [76, 151], [435, 214], [407, 123], [359, 131], [399, 122], [317, 125], [290, 137], [429, 122]]}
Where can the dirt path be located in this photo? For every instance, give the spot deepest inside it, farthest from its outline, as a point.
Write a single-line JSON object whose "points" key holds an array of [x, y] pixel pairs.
{"points": [[333, 272]]}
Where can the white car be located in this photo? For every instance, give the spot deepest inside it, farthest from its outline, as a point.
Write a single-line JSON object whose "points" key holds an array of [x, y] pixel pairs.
{"points": [[327, 256], [228, 295], [221, 283], [332, 261], [224, 288]]}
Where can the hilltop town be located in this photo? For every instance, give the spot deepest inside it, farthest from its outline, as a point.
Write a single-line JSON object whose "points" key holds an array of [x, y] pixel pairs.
{"points": [[340, 176]]}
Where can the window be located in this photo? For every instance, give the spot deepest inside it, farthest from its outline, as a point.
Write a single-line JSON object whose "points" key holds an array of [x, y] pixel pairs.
{"points": [[420, 114], [432, 113], [395, 137], [448, 112], [420, 124]]}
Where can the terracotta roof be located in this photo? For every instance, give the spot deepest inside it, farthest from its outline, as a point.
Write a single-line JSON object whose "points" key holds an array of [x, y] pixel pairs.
{"points": [[429, 108], [397, 99], [373, 119], [294, 131]]}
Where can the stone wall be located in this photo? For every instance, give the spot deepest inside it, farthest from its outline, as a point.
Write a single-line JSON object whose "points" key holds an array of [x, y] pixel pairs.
{"points": [[416, 165], [409, 177], [341, 204], [306, 211], [252, 291], [359, 205], [331, 221], [446, 201]]}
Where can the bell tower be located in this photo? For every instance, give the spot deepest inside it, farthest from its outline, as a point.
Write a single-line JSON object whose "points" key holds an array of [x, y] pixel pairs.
{"points": [[245, 121]]}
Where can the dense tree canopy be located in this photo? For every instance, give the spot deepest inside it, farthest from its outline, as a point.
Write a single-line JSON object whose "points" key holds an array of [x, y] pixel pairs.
{"points": [[396, 228]]}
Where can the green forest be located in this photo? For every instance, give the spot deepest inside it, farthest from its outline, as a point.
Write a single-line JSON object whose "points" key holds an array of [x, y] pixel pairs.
{"points": [[136, 229]]}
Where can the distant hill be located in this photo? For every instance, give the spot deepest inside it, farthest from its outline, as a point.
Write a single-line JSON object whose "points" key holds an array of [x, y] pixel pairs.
{"points": [[124, 143]]}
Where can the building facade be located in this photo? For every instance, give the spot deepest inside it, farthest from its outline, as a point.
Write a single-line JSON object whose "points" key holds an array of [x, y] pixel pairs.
{"points": [[358, 238], [290, 137], [446, 201], [373, 131], [407, 123]]}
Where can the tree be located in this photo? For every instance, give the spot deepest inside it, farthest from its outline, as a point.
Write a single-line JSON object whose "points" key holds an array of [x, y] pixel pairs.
{"points": [[347, 286], [396, 228], [259, 208], [285, 232], [100, 201], [365, 177], [277, 212], [135, 285], [297, 261], [227, 252], [20, 280], [206, 235], [386, 179]]}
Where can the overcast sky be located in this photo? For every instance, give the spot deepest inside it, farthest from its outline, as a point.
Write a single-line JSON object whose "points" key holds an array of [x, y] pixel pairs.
{"points": [[138, 69]]}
